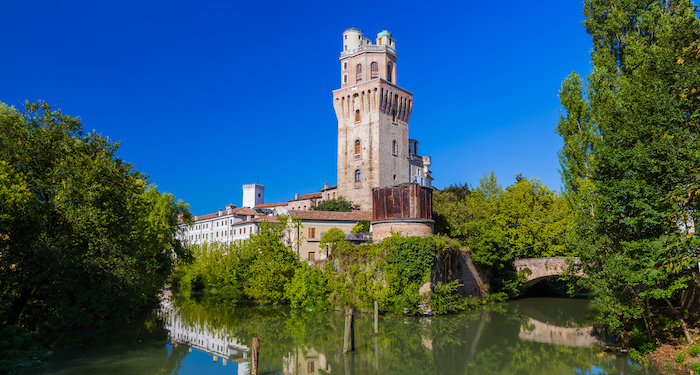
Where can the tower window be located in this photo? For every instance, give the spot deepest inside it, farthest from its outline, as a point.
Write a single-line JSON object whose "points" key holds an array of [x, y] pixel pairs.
{"points": [[357, 115], [394, 148], [358, 178], [358, 70], [389, 70], [345, 66], [357, 147], [374, 70], [345, 78]]}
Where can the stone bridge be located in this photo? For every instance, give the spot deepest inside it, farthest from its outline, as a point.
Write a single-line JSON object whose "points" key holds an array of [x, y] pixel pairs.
{"points": [[542, 268]]}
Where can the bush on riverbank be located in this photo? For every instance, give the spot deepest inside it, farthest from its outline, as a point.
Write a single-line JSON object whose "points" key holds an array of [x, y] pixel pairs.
{"points": [[258, 268], [391, 272], [18, 347]]}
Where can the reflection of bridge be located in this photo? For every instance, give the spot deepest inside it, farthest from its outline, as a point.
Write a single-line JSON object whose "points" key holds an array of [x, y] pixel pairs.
{"points": [[546, 333], [542, 268]]}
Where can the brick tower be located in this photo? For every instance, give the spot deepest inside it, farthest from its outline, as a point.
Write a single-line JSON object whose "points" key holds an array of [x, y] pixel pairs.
{"points": [[373, 114]]}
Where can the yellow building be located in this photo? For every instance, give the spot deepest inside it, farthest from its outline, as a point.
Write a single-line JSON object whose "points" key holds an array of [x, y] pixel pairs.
{"points": [[314, 224]]}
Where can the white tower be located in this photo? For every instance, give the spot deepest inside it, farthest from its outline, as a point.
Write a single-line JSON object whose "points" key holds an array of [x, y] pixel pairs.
{"points": [[253, 195]]}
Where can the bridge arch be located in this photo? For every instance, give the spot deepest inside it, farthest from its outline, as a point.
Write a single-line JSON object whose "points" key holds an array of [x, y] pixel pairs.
{"points": [[543, 268]]}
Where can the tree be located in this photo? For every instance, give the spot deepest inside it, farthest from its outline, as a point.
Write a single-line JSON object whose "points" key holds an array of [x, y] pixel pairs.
{"points": [[361, 227], [271, 264], [338, 204], [332, 239], [643, 168], [524, 220], [535, 220], [85, 237]]}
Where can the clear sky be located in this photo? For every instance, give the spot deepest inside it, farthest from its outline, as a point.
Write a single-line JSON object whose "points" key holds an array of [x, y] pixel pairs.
{"points": [[207, 96]]}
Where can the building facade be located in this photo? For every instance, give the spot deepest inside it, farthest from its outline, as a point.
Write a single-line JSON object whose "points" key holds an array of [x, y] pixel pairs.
{"points": [[304, 237], [373, 114]]}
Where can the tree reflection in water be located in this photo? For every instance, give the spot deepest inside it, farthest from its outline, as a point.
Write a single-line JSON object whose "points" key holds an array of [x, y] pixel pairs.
{"points": [[503, 338]]}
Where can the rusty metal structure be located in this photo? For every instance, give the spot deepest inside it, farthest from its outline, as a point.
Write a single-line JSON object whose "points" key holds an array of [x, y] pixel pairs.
{"points": [[406, 201]]}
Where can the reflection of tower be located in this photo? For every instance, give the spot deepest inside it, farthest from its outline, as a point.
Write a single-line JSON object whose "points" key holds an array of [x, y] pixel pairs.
{"points": [[373, 114]]}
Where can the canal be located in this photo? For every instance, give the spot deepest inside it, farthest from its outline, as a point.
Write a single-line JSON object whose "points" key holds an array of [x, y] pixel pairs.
{"points": [[209, 336]]}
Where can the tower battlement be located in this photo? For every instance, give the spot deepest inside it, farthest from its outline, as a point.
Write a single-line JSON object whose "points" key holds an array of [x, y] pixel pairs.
{"points": [[354, 42]]}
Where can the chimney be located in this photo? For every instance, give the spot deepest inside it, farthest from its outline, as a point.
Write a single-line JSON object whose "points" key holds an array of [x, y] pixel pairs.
{"points": [[296, 195], [220, 211], [325, 185]]}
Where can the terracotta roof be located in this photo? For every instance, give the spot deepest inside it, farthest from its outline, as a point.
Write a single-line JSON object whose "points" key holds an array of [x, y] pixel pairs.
{"points": [[332, 215], [266, 205], [330, 188], [307, 196], [243, 211], [259, 219], [207, 216]]}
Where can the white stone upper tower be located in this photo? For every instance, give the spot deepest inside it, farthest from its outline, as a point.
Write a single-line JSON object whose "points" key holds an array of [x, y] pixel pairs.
{"points": [[373, 114], [253, 195]]}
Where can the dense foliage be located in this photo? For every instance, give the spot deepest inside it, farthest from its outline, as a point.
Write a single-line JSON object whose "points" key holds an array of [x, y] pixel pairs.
{"points": [[258, 268], [262, 269], [631, 160], [339, 204], [84, 237], [525, 220]]}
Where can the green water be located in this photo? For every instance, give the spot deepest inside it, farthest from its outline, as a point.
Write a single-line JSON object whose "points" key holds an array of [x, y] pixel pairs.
{"points": [[526, 336]]}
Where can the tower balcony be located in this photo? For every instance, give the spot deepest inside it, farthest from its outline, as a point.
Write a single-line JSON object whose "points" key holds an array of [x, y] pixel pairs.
{"points": [[368, 48]]}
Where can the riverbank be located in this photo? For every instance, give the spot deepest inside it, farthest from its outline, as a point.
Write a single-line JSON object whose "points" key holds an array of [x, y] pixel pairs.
{"points": [[679, 356]]}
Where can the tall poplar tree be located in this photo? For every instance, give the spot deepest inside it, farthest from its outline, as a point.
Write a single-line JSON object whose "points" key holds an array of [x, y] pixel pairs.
{"points": [[634, 174]]}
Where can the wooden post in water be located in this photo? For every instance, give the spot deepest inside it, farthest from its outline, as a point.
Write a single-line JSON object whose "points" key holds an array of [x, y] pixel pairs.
{"points": [[349, 338], [376, 317], [255, 349]]}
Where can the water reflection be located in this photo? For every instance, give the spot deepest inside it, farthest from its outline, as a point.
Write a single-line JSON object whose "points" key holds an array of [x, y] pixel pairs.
{"points": [[203, 337], [529, 336]]}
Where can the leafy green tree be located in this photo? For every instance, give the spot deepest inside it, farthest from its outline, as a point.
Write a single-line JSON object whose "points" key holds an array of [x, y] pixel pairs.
{"points": [[361, 226], [643, 159], [85, 237], [524, 220], [338, 204], [271, 264], [331, 240], [534, 217]]}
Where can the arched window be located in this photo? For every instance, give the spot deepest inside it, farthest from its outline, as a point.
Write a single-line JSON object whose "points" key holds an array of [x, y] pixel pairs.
{"points": [[394, 148], [357, 115], [358, 178], [358, 70], [389, 70], [374, 70], [357, 147]]}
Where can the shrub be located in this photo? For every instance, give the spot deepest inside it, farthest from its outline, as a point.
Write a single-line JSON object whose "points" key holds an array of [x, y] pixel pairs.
{"points": [[444, 298], [638, 340], [694, 350], [680, 357], [309, 288], [696, 367]]}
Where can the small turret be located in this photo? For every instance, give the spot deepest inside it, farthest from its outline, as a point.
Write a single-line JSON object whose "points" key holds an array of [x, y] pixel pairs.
{"points": [[352, 39], [384, 39]]}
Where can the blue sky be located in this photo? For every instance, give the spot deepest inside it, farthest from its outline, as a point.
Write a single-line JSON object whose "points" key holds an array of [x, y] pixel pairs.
{"points": [[207, 96]]}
